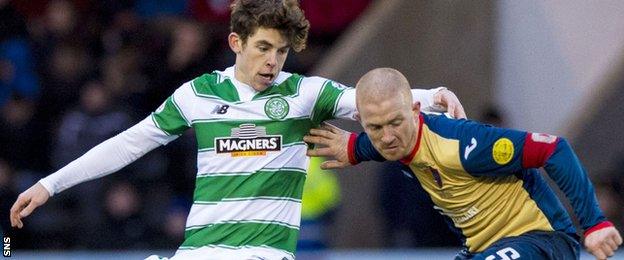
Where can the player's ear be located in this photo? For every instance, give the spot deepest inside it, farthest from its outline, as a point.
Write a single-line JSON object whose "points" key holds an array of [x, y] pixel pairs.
{"points": [[236, 43], [356, 115]]}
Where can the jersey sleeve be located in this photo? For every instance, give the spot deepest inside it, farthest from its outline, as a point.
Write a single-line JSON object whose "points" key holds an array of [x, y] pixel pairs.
{"points": [[490, 151], [564, 167], [484, 149], [326, 106], [173, 116]]}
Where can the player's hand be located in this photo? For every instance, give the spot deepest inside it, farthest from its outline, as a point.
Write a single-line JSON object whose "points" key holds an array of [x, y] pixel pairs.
{"points": [[603, 243], [335, 143], [27, 202], [447, 98]]}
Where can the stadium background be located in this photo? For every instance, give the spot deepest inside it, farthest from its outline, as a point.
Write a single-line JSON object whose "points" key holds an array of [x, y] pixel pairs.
{"points": [[74, 73]]}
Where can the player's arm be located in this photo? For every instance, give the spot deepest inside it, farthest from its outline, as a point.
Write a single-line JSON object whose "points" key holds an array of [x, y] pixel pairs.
{"points": [[486, 150], [105, 158], [564, 167], [432, 100], [160, 128]]}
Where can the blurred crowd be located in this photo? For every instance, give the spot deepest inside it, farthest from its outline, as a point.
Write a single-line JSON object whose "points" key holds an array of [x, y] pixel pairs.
{"points": [[74, 73]]}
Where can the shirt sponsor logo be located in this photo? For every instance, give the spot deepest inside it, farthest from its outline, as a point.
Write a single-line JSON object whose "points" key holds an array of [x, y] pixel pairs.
{"points": [[503, 151], [460, 216], [248, 140]]}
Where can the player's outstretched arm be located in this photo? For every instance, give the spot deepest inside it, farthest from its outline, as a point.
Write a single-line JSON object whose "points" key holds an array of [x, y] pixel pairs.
{"points": [[603, 242], [431, 100], [329, 141], [564, 167], [119, 150], [27, 202]]}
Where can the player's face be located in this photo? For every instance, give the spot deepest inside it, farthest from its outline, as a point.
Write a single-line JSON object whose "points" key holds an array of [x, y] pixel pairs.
{"points": [[391, 127], [261, 58]]}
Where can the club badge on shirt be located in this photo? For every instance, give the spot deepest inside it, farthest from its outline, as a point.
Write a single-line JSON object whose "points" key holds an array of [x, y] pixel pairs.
{"points": [[276, 108]]}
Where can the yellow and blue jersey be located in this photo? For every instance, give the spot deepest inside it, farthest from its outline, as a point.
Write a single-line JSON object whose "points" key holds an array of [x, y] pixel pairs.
{"points": [[485, 179]]}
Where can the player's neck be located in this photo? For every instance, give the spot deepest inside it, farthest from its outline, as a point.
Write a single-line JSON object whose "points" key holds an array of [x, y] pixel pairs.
{"points": [[414, 142], [242, 77]]}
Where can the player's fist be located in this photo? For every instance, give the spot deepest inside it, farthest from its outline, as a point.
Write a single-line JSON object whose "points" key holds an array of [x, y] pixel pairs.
{"points": [[602, 243], [447, 99], [27, 202]]}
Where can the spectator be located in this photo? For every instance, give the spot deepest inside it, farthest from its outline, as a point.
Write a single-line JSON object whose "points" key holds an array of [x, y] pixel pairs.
{"points": [[122, 227], [21, 140], [17, 68]]}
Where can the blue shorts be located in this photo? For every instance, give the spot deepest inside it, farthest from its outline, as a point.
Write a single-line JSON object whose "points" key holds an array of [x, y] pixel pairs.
{"points": [[531, 245]]}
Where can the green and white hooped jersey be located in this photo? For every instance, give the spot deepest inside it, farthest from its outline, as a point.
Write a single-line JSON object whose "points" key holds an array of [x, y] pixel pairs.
{"points": [[251, 161]]}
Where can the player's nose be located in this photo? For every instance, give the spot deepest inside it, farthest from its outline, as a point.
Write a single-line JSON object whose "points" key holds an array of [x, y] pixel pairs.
{"points": [[388, 136], [272, 59]]}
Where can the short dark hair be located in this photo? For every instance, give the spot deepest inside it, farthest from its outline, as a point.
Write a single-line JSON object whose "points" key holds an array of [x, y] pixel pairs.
{"points": [[284, 15]]}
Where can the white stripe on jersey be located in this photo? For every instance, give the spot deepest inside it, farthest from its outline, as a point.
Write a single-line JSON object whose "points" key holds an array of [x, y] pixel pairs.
{"points": [[279, 211]]}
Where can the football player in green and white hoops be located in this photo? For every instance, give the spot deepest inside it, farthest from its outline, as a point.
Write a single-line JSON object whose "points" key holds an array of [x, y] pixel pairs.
{"points": [[249, 121]]}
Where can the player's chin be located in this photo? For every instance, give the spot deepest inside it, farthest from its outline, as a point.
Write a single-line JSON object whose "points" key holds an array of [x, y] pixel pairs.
{"points": [[261, 86], [391, 154]]}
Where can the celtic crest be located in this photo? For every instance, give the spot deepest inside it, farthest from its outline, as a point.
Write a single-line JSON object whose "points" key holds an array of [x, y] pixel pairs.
{"points": [[276, 108]]}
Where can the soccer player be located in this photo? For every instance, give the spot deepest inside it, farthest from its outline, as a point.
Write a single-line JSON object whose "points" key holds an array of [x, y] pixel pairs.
{"points": [[483, 178], [249, 122]]}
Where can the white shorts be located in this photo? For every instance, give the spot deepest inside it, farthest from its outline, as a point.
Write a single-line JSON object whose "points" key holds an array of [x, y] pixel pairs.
{"points": [[220, 253]]}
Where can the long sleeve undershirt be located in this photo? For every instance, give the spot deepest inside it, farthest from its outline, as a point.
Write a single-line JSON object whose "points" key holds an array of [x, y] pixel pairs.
{"points": [[109, 156]]}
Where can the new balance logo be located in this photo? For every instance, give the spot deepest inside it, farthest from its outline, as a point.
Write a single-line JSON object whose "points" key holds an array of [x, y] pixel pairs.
{"points": [[220, 109], [469, 148]]}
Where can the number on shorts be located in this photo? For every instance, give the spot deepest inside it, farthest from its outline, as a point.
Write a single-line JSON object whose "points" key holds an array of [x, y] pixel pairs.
{"points": [[506, 253]]}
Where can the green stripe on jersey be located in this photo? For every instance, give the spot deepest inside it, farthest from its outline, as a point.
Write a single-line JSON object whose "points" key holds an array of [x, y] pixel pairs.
{"points": [[326, 102], [267, 183], [290, 87], [291, 130], [170, 119], [207, 85], [243, 234]]}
